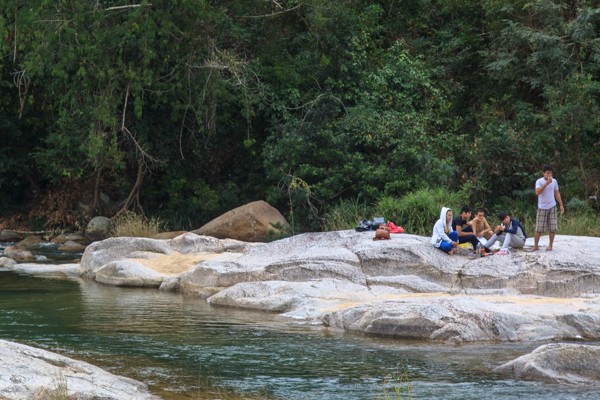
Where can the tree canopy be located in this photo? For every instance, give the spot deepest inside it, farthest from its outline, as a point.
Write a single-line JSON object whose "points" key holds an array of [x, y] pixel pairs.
{"points": [[185, 109]]}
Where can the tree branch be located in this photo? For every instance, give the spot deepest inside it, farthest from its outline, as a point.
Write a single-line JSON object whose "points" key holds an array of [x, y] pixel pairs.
{"points": [[273, 14], [129, 6]]}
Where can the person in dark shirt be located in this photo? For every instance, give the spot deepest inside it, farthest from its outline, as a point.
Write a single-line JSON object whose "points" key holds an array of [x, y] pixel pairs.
{"points": [[462, 226], [510, 232]]}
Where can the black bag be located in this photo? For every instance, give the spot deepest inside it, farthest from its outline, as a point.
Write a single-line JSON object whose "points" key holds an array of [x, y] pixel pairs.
{"points": [[369, 224], [363, 225], [375, 222]]}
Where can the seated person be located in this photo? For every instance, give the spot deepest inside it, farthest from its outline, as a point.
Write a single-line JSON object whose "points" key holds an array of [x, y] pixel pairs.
{"points": [[462, 226], [444, 237], [510, 232], [480, 226]]}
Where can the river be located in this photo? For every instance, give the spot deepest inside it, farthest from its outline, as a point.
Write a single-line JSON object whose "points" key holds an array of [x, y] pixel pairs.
{"points": [[186, 349]]}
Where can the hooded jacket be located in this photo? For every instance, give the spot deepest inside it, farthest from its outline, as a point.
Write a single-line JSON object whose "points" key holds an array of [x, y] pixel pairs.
{"points": [[439, 232]]}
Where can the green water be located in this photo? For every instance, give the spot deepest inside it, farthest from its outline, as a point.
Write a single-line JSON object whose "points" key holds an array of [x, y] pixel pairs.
{"points": [[185, 349]]}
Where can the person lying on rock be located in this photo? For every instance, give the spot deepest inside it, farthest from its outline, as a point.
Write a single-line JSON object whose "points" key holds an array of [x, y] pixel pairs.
{"points": [[510, 232], [444, 237]]}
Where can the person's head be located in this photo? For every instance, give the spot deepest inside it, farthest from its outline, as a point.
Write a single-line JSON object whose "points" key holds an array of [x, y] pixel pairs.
{"points": [[504, 217], [466, 211], [480, 213], [448, 216], [547, 171]]}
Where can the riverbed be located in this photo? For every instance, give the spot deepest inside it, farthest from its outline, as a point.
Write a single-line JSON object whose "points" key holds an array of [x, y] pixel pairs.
{"points": [[185, 349]]}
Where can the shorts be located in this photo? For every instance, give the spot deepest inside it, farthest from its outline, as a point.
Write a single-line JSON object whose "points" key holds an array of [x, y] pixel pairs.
{"points": [[545, 220]]}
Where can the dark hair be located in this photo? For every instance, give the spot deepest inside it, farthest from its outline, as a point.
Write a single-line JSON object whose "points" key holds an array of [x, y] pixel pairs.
{"points": [[547, 167], [503, 215], [466, 209], [478, 210]]}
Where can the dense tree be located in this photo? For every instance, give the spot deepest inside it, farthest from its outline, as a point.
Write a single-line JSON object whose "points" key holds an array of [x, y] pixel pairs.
{"points": [[184, 109]]}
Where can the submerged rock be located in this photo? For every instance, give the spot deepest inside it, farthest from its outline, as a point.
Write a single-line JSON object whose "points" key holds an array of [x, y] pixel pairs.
{"points": [[30, 373]]}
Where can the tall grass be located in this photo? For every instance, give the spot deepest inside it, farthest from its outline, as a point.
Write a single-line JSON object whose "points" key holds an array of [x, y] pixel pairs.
{"points": [[61, 389], [346, 214], [396, 387], [130, 224], [417, 211]]}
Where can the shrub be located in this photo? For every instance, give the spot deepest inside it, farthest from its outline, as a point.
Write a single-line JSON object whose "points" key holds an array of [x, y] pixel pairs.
{"points": [[131, 224]]}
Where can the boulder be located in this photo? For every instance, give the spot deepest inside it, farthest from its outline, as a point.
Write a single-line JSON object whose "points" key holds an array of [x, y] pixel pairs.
{"points": [[19, 255], [71, 246], [98, 228], [29, 241], [30, 373], [69, 237], [8, 235], [128, 273], [253, 222], [557, 363], [147, 262], [6, 262], [100, 253]]}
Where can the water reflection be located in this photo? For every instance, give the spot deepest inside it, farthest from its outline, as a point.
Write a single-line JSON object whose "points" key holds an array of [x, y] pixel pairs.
{"points": [[183, 348]]}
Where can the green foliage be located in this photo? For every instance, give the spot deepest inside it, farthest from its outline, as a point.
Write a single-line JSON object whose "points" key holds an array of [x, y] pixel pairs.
{"points": [[417, 211], [345, 214], [188, 109], [579, 223]]}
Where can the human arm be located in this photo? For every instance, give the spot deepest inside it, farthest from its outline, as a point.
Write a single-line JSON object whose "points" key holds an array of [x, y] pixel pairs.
{"points": [[539, 189], [559, 201]]}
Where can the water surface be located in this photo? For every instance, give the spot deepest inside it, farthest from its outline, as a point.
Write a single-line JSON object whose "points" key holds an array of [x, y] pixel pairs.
{"points": [[185, 349]]}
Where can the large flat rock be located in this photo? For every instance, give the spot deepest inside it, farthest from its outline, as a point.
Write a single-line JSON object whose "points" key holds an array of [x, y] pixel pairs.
{"points": [[402, 287]]}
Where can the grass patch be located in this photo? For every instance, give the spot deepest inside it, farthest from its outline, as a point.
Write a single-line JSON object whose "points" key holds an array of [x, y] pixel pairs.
{"points": [[61, 389], [130, 224], [346, 215], [396, 386]]}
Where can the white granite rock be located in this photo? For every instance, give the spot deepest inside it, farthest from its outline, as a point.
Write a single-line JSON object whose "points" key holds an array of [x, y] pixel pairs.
{"points": [[28, 373]]}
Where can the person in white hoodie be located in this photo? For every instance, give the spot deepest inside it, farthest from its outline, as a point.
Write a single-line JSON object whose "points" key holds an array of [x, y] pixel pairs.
{"points": [[444, 237]]}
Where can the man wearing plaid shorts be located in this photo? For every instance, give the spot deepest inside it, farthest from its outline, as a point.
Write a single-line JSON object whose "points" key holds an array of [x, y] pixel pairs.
{"points": [[546, 189]]}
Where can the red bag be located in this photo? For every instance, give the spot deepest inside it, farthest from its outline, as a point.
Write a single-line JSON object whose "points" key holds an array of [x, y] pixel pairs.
{"points": [[393, 228]]}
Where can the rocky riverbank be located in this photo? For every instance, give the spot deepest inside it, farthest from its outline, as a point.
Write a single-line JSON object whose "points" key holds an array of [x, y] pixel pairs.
{"points": [[402, 287], [36, 374]]}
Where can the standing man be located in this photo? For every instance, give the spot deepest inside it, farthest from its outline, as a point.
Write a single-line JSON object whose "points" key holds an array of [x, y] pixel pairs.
{"points": [[546, 189]]}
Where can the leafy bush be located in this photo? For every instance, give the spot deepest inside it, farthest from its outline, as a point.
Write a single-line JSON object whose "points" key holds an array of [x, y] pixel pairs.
{"points": [[130, 224]]}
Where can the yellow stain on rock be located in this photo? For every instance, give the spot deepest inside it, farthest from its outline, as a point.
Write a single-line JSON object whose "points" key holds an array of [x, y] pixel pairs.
{"points": [[517, 300], [177, 263]]}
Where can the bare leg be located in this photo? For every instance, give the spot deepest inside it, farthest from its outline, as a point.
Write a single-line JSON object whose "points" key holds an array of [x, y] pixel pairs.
{"points": [[552, 234], [536, 241]]}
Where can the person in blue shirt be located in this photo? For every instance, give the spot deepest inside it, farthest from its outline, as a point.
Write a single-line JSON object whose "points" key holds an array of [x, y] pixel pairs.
{"points": [[510, 232]]}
